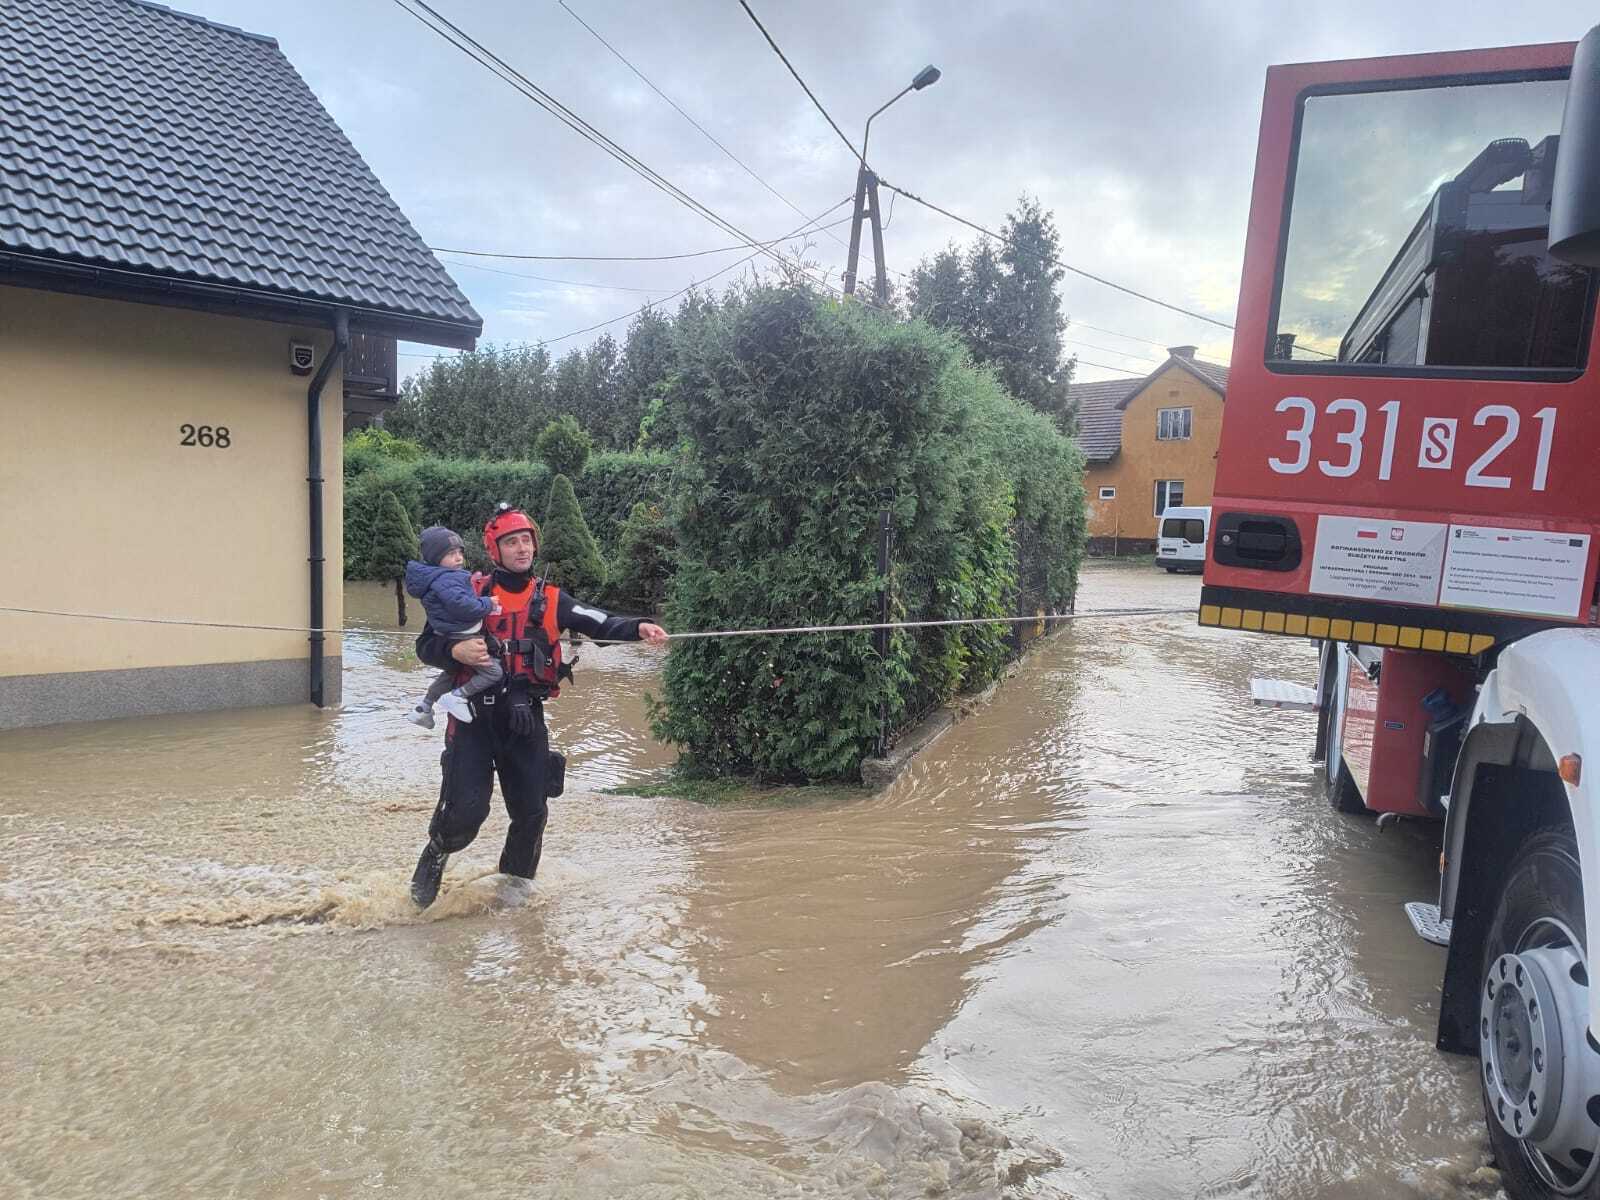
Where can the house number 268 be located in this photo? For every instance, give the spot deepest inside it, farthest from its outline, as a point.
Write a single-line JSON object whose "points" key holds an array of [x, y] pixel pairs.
{"points": [[215, 436], [1436, 450]]}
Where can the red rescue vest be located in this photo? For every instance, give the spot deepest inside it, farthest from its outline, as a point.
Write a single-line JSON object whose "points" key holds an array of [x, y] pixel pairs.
{"points": [[529, 632]]}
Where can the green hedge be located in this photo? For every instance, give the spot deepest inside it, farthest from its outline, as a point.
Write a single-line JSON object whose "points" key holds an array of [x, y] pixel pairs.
{"points": [[800, 419], [461, 494]]}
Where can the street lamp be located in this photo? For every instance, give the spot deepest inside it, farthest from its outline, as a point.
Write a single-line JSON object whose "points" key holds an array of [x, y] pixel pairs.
{"points": [[867, 189]]}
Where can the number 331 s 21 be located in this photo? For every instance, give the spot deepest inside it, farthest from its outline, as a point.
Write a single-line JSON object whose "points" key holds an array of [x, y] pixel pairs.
{"points": [[1437, 450], [214, 437]]}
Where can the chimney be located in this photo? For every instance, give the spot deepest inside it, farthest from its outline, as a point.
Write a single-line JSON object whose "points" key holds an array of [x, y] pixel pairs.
{"points": [[1283, 349], [1182, 351]]}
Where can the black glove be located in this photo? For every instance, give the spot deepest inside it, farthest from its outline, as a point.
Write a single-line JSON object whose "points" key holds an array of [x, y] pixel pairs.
{"points": [[519, 717]]}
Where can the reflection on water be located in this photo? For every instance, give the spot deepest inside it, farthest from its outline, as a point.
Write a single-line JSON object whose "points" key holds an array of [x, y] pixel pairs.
{"points": [[1104, 939]]}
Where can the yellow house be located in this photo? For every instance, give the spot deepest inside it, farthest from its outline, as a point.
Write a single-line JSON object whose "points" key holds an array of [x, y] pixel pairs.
{"points": [[189, 246], [1150, 444]]}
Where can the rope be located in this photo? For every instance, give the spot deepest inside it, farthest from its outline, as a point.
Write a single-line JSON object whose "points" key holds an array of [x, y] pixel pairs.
{"points": [[770, 631]]}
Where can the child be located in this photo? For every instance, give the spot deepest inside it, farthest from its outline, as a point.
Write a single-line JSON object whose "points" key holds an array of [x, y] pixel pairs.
{"points": [[454, 610]]}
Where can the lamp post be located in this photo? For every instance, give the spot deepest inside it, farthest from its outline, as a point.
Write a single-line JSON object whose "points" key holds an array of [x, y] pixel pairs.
{"points": [[867, 192]]}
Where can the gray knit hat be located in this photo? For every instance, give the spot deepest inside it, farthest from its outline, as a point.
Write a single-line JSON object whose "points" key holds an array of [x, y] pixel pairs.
{"points": [[437, 541]]}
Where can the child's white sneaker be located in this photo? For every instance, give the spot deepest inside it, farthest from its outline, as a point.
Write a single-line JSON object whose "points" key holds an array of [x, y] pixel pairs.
{"points": [[422, 715], [456, 705]]}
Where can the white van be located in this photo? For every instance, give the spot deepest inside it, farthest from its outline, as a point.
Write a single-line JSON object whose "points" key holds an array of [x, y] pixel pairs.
{"points": [[1182, 544]]}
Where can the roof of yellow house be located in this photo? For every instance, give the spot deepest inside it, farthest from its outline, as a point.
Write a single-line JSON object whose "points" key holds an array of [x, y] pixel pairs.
{"points": [[1100, 405]]}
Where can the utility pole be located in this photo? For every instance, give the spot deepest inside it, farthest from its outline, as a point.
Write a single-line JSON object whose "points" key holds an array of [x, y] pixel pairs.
{"points": [[855, 231], [867, 193], [867, 205], [882, 290]]}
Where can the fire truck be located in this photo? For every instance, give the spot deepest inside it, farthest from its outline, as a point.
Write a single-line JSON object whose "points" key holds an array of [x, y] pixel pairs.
{"points": [[1409, 476]]}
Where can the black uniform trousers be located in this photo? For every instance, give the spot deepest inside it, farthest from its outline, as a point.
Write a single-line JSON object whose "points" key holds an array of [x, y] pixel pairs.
{"points": [[473, 754]]}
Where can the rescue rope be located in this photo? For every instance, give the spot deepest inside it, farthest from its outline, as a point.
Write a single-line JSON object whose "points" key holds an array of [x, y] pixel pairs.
{"points": [[770, 631]]}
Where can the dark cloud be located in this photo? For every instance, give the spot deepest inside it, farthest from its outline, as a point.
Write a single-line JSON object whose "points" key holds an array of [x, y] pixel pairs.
{"points": [[1135, 124]]}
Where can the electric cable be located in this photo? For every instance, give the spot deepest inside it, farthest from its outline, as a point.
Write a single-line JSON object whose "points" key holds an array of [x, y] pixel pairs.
{"points": [[748, 170], [700, 635], [799, 229], [604, 287], [854, 153], [486, 58], [1100, 279]]}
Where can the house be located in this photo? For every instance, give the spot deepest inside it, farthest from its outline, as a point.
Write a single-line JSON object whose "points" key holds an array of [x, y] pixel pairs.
{"points": [[1150, 444], [189, 249]]}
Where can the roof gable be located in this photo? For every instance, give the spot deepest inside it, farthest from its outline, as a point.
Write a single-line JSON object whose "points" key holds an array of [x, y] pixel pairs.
{"points": [[171, 149], [1100, 405], [1213, 376]]}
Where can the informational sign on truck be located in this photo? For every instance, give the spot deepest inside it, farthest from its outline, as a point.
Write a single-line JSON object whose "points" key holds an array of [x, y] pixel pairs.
{"points": [[1515, 570]]}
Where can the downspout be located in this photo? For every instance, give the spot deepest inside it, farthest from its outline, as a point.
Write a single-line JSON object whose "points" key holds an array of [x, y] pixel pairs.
{"points": [[341, 341]]}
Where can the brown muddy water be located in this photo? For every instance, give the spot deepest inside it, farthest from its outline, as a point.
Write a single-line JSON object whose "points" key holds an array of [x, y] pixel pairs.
{"points": [[1104, 939]]}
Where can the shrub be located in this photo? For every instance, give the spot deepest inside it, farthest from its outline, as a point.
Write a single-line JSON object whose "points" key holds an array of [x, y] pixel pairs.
{"points": [[394, 541], [564, 447], [612, 484], [568, 554], [800, 419], [645, 560]]}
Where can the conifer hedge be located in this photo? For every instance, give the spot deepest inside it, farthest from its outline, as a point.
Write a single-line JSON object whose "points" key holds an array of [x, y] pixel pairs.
{"points": [[800, 418]]}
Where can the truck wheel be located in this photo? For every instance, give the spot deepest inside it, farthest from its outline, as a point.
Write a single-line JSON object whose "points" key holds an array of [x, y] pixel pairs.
{"points": [[1539, 1064]]}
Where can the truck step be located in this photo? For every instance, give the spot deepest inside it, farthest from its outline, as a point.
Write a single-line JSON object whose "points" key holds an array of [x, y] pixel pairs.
{"points": [[1280, 693], [1429, 925]]}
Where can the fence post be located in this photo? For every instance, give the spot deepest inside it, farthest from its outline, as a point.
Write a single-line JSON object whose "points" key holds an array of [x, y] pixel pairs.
{"points": [[881, 636]]}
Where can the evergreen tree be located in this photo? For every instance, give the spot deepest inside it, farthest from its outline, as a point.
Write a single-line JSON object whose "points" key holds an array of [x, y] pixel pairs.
{"points": [[480, 404], [646, 559], [564, 446], [568, 553], [393, 543], [1004, 305]]}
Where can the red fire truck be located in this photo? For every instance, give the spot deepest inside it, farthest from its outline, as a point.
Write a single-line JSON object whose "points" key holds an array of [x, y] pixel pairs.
{"points": [[1409, 475]]}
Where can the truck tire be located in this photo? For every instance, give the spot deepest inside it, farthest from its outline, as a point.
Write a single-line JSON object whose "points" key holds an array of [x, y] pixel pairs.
{"points": [[1539, 1066]]}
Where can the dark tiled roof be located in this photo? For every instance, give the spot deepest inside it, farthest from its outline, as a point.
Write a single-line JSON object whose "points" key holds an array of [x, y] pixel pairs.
{"points": [[1100, 405], [165, 145], [1100, 416]]}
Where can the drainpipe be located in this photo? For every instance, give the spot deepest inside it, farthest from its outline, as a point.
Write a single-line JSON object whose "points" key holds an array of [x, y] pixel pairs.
{"points": [[341, 341]]}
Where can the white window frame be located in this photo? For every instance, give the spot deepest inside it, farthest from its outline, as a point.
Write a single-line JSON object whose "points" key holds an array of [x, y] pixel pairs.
{"points": [[1163, 496], [1108, 493], [1163, 423]]}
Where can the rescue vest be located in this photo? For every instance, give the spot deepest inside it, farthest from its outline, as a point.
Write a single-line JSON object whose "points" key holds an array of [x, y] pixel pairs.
{"points": [[528, 633]]}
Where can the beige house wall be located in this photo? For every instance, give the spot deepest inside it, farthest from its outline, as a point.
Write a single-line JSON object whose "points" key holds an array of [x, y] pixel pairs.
{"points": [[105, 511], [1144, 459]]}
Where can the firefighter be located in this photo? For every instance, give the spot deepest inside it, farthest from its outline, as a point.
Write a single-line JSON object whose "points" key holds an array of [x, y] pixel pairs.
{"points": [[507, 731]]}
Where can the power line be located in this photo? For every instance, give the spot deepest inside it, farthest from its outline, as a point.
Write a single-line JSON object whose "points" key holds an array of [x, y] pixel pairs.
{"points": [[696, 283], [854, 153], [607, 287], [692, 284], [750, 171], [590, 257], [1188, 312], [492, 62], [1110, 350], [1106, 367]]}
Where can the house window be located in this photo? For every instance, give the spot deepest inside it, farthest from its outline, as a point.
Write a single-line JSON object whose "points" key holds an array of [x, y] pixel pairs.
{"points": [[1108, 493], [1173, 424], [1169, 494]]}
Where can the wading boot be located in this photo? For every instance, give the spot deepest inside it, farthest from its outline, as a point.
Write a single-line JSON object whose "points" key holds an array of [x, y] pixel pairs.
{"points": [[425, 879]]}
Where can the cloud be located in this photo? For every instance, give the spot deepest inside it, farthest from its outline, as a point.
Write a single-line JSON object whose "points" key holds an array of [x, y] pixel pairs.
{"points": [[1135, 124]]}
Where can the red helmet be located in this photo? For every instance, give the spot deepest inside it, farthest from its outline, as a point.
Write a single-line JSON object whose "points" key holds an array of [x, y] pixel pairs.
{"points": [[507, 520]]}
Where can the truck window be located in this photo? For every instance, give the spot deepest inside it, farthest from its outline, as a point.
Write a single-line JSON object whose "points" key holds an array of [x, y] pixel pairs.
{"points": [[1190, 529], [1417, 234]]}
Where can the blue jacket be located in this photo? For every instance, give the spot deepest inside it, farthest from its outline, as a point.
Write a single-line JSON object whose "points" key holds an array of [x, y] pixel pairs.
{"points": [[447, 597]]}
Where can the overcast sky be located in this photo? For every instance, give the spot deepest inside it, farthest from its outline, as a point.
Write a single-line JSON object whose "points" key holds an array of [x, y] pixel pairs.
{"points": [[1134, 123]]}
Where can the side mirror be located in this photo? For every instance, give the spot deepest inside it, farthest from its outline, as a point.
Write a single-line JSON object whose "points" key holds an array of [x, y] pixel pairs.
{"points": [[1575, 192]]}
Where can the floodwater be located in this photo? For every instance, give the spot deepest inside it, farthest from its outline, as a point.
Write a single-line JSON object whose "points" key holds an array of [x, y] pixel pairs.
{"points": [[1104, 939]]}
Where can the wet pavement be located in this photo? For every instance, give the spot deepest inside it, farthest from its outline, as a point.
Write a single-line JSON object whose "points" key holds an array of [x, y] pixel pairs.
{"points": [[1104, 939]]}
